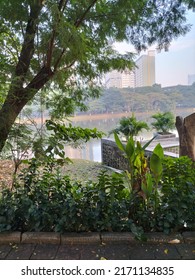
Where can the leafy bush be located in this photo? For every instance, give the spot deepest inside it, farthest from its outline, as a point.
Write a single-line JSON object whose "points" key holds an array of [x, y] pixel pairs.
{"points": [[49, 201], [162, 190], [164, 122], [178, 195], [130, 126]]}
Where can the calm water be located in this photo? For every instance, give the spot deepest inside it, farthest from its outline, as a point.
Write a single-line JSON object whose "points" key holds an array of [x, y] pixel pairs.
{"points": [[92, 150]]}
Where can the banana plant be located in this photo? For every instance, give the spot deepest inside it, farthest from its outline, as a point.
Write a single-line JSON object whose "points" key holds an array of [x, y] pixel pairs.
{"points": [[143, 176], [156, 167], [138, 163]]}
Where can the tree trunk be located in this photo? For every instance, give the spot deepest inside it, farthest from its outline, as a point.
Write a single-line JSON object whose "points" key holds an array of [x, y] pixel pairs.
{"points": [[8, 114], [186, 131], [18, 96], [17, 99]]}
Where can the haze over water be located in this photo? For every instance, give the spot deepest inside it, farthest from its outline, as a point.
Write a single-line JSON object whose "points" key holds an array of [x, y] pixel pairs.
{"points": [[92, 149]]}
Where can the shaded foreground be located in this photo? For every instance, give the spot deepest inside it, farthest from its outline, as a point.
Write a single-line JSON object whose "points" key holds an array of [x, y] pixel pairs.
{"points": [[135, 251], [96, 246]]}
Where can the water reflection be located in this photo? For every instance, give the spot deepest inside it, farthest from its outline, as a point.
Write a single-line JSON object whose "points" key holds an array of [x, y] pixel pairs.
{"points": [[89, 151], [92, 150]]}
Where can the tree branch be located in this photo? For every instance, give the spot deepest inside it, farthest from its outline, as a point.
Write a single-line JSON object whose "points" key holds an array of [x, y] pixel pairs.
{"points": [[77, 24], [80, 20], [61, 6], [28, 44], [58, 60], [43, 76]]}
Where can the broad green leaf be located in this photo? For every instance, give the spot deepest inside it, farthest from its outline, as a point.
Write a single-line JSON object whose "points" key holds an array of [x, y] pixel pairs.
{"points": [[156, 165], [148, 143], [138, 163], [130, 147], [119, 143], [158, 150], [147, 186]]}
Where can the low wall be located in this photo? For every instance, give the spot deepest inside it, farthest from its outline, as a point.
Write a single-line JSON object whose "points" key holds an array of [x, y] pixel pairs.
{"points": [[113, 157]]}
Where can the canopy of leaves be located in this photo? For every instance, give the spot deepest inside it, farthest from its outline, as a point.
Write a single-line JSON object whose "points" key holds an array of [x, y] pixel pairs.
{"points": [[164, 122], [130, 126], [145, 99], [73, 40]]}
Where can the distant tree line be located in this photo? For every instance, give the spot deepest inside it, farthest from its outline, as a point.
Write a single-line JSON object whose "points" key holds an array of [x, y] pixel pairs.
{"points": [[154, 98]]}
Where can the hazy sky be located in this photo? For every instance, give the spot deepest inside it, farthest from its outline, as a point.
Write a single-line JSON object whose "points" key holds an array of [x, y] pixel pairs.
{"points": [[174, 66]]}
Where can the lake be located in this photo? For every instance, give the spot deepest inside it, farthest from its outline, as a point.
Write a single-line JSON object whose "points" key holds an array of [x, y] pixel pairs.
{"points": [[106, 122]]}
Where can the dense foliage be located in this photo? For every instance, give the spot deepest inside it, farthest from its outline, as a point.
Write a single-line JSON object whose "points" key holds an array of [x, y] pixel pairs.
{"points": [[66, 46], [49, 201], [130, 126], [163, 122], [145, 99]]}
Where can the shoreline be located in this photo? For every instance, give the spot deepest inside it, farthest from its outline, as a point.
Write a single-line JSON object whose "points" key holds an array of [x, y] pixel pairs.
{"points": [[122, 114], [88, 116]]}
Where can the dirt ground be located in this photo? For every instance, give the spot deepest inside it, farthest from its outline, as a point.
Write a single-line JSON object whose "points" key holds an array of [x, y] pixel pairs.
{"points": [[6, 171], [78, 170]]}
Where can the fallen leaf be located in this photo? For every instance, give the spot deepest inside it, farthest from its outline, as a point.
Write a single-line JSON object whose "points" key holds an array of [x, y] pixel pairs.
{"points": [[174, 241], [166, 251]]}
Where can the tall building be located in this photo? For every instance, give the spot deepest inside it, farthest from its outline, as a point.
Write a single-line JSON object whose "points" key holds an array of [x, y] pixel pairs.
{"points": [[143, 75], [127, 79], [145, 71], [191, 79], [120, 79]]}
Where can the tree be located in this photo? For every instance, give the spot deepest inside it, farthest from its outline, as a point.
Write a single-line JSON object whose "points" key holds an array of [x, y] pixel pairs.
{"points": [[130, 126], [164, 122], [64, 45]]}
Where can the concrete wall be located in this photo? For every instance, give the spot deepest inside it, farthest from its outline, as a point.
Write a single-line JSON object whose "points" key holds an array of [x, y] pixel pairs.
{"points": [[113, 157]]}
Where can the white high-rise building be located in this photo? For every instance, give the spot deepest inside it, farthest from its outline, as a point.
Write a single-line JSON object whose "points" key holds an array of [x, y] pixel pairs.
{"points": [[143, 75], [145, 70], [118, 79], [191, 79]]}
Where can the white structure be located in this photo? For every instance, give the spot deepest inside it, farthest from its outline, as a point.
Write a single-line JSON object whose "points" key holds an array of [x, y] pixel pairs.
{"points": [[120, 79], [143, 75], [191, 79], [145, 71]]}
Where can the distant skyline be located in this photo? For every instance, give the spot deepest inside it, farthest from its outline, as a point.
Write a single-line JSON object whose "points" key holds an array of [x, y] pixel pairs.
{"points": [[173, 66]]}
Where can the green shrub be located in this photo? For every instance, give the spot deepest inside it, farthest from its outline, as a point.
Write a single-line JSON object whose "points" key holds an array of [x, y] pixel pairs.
{"points": [[178, 195], [45, 201], [50, 202], [164, 122], [130, 126]]}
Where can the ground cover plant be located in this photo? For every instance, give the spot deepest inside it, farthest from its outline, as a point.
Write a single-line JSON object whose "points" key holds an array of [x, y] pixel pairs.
{"points": [[42, 200]]}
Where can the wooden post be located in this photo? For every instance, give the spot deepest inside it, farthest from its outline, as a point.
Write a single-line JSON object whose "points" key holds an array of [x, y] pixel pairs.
{"points": [[186, 131]]}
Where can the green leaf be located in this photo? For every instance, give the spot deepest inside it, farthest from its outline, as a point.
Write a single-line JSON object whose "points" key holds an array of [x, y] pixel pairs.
{"points": [[138, 163], [156, 161], [147, 187], [148, 143], [130, 147], [158, 150], [156, 165], [119, 143]]}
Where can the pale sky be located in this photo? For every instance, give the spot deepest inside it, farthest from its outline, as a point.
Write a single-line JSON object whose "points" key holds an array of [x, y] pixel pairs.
{"points": [[174, 66]]}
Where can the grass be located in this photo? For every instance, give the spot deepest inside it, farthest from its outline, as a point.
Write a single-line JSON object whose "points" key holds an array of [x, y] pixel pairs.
{"points": [[84, 170], [79, 170]]}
